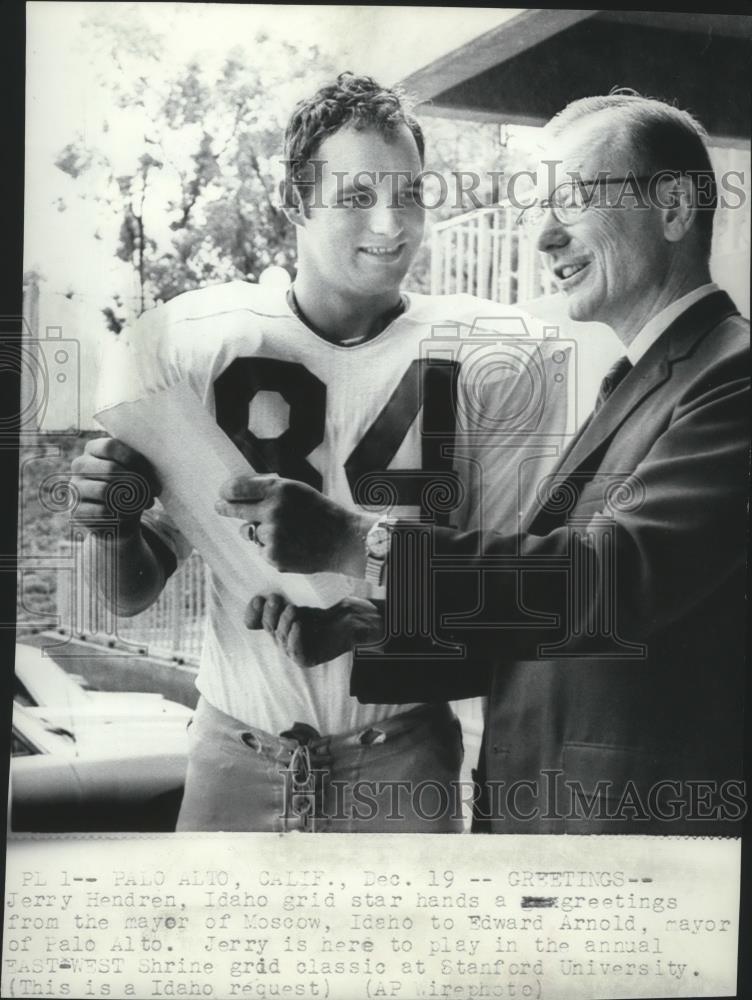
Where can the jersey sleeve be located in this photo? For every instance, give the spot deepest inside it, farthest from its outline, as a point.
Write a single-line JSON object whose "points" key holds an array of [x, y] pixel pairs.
{"points": [[161, 524]]}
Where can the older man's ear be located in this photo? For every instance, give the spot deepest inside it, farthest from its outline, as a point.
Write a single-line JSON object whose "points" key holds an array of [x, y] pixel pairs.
{"points": [[679, 207]]}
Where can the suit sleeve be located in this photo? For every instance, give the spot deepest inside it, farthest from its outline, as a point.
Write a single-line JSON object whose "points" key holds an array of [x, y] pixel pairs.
{"points": [[670, 537], [511, 411]]}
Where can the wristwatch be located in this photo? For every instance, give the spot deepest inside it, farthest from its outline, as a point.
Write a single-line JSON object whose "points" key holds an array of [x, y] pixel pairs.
{"points": [[378, 541]]}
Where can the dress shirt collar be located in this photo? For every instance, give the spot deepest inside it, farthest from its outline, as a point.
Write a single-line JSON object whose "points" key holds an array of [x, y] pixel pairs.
{"points": [[662, 320]]}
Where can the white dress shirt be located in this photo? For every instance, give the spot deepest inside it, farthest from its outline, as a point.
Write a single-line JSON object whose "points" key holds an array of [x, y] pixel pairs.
{"points": [[662, 320]]}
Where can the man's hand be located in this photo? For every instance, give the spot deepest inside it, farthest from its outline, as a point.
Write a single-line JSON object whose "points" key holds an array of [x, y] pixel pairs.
{"points": [[298, 530], [115, 485], [310, 636], [112, 480]]}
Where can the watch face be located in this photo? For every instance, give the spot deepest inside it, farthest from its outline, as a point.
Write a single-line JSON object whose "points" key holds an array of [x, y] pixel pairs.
{"points": [[378, 542]]}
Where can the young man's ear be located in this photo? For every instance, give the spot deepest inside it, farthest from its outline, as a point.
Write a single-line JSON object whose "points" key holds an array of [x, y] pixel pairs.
{"points": [[679, 202], [292, 204]]}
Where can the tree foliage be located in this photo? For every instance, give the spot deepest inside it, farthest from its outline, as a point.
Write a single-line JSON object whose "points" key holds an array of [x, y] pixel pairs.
{"points": [[186, 164]]}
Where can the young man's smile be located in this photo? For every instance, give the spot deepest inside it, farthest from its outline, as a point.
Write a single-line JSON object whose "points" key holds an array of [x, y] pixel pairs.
{"points": [[387, 255]]}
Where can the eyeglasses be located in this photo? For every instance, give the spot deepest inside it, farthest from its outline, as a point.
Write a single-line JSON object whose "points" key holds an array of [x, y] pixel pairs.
{"points": [[569, 200]]}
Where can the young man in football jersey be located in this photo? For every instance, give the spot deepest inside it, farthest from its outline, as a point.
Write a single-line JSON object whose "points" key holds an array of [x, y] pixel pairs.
{"points": [[323, 383]]}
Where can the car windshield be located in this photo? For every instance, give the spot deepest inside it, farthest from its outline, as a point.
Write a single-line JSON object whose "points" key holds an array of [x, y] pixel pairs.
{"points": [[40, 681]]}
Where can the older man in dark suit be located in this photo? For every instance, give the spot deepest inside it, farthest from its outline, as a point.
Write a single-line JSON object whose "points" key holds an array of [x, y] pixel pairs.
{"points": [[613, 623]]}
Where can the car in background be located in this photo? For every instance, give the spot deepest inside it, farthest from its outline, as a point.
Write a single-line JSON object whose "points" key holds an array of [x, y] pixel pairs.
{"points": [[88, 761], [53, 694], [113, 777]]}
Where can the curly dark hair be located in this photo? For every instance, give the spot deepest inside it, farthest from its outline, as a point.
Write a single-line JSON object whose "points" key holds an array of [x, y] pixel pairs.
{"points": [[353, 101]]}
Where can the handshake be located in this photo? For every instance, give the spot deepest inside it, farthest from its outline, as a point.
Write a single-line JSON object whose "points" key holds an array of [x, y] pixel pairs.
{"points": [[296, 528]]}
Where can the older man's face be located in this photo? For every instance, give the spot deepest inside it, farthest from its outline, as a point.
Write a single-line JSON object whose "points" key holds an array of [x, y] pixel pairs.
{"points": [[614, 255]]}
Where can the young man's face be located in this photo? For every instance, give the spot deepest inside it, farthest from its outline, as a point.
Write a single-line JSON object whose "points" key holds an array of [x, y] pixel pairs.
{"points": [[363, 225]]}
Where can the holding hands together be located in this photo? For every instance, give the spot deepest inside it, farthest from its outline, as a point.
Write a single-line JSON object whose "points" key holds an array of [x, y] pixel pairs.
{"points": [[298, 530], [310, 636]]}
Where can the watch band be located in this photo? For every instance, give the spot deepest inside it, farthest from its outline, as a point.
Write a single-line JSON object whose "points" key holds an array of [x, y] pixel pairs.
{"points": [[378, 542]]}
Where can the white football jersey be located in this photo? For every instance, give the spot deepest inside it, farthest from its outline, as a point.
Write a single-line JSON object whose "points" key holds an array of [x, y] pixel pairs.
{"points": [[439, 413]]}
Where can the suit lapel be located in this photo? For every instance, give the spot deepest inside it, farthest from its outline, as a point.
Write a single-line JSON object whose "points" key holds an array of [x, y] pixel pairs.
{"points": [[646, 376], [651, 371]]}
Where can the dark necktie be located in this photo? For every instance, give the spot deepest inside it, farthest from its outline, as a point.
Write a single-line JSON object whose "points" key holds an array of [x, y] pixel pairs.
{"points": [[609, 382], [618, 370]]}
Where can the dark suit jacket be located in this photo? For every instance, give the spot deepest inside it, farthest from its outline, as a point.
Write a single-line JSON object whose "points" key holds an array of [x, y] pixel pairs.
{"points": [[613, 626]]}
